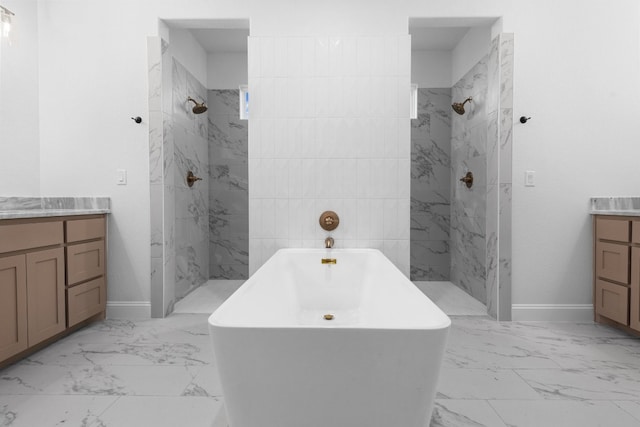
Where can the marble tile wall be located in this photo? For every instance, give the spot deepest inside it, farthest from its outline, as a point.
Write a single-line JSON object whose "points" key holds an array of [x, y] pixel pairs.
{"points": [[431, 186], [190, 153], [505, 138], [329, 130], [157, 63], [228, 187], [469, 205]]}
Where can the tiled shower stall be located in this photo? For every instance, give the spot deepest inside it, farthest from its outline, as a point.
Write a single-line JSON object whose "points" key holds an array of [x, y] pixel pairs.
{"points": [[330, 130]]}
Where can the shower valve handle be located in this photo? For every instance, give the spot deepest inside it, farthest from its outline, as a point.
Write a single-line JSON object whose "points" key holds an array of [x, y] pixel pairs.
{"points": [[191, 179], [467, 179]]}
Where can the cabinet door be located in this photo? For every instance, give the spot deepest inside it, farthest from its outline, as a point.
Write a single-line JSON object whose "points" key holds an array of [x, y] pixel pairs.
{"points": [[45, 294], [612, 262], [634, 300], [13, 306]]}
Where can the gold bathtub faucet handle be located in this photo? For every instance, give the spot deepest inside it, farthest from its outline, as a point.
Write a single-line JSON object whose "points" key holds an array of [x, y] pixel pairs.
{"points": [[328, 261]]}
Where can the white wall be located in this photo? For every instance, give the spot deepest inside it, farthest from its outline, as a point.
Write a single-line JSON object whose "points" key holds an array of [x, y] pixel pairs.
{"points": [[329, 130], [578, 84], [226, 70], [431, 68], [186, 50], [473, 46], [19, 100], [580, 87]]}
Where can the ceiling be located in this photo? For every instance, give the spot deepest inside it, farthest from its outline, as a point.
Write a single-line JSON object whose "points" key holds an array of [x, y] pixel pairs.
{"points": [[426, 34], [438, 38], [220, 40]]}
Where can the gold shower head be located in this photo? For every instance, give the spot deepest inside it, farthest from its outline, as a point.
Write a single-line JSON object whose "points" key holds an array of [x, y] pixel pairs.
{"points": [[459, 107], [198, 108]]}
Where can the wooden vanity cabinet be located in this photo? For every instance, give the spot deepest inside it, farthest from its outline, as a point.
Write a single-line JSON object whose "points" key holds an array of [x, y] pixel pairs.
{"points": [[617, 271], [52, 277], [86, 285], [31, 284]]}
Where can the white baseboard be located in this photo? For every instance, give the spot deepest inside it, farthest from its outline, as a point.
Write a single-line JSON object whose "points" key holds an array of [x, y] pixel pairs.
{"points": [[128, 310], [552, 312]]}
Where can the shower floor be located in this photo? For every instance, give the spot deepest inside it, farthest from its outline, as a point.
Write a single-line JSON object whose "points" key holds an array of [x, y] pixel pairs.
{"points": [[451, 299]]}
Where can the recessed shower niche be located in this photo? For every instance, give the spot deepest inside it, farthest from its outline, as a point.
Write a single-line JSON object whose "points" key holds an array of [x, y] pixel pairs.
{"points": [[460, 233], [198, 157]]}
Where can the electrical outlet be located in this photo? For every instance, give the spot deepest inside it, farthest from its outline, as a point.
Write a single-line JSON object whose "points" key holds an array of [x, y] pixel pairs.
{"points": [[530, 178]]}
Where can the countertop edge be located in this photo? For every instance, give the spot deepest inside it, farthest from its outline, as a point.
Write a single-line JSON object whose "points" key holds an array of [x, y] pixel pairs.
{"points": [[615, 212], [47, 213]]}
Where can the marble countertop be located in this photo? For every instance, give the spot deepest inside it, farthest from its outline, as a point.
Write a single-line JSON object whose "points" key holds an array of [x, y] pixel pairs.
{"points": [[41, 213], [39, 207], [622, 206]]}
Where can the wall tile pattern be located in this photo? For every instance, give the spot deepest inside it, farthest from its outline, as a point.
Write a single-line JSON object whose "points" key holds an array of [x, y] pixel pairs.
{"points": [[329, 130], [228, 187], [469, 205], [190, 153], [506, 175], [157, 63], [431, 186]]}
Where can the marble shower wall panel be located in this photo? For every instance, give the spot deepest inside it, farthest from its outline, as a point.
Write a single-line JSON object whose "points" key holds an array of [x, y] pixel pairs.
{"points": [[228, 187], [156, 181], [493, 172], [469, 206], [330, 130], [431, 186], [506, 175], [191, 153], [168, 187]]}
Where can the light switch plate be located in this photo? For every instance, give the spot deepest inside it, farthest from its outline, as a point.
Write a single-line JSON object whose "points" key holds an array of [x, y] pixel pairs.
{"points": [[530, 178], [121, 176]]}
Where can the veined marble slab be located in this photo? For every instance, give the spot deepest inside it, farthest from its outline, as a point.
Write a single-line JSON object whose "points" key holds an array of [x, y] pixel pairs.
{"points": [[629, 206], [36, 207]]}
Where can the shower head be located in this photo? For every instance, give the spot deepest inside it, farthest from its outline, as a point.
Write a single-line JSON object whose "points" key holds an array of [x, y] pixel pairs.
{"points": [[198, 108], [458, 107]]}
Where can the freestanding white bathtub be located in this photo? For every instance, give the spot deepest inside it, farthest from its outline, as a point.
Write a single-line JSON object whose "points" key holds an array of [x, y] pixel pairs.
{"points": [[375, 364]]}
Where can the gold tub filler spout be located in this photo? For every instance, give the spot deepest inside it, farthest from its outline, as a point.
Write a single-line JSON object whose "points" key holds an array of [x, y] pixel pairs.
{"points": [[328, 261]]}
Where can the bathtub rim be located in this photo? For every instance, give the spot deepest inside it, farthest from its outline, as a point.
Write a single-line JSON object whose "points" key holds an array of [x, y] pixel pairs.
{"points": [[214, 321]]}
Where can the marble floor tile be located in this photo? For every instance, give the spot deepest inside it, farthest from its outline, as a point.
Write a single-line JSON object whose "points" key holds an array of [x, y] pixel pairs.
{"points": [[206, 383], [45, 411], [142, 352], [137, 411], [581, 384], [464, 413], [161, 372], [483, 384], [566, 413], [631, 407], [207, 297], [451, 299]]}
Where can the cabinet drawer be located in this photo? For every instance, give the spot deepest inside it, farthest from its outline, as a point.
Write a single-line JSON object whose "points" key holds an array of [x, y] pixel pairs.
{"points": [[85, 229], [612, 262], [16, 237], [85, 261], [635, 237], [612, 301], [613, 229], [85, 300]]}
